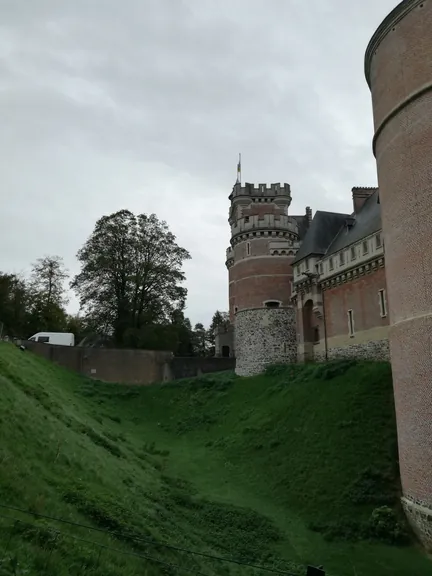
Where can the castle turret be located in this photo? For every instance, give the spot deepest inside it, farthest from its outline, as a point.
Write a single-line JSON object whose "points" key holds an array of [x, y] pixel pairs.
{"points": [[399, 72], [264, 241]]}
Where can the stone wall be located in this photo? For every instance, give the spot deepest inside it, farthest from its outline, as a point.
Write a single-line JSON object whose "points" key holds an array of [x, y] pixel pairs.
{"points": [[264, 336], [129, 366], [419, 517], [373, 350]]}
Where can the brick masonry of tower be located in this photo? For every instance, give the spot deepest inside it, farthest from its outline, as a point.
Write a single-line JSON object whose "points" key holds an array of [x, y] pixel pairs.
{"points": [[398, 67], [264, 241]]}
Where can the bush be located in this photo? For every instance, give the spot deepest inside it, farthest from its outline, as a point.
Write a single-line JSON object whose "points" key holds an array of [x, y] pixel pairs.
{"points": [[384, 526]]}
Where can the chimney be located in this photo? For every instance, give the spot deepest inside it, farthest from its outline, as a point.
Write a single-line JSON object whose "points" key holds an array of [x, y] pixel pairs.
{"points": [[308, 215], [360, 195]]}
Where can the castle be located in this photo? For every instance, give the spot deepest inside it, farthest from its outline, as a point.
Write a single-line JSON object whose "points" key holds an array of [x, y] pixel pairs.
{"points": [[359, 284], [303, 288]]}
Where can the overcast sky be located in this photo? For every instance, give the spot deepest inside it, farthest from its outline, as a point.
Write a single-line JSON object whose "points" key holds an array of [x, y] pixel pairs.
{"points": [[145, 105]]}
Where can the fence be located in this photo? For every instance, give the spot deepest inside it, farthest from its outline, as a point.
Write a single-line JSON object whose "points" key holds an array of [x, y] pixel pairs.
{"points": [[32, 543]]}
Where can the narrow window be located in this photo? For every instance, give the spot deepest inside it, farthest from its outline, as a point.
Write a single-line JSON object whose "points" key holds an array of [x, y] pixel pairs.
{"points": [[365, 247], [351, 322], [378, 243], [307, 264], [382, 303], [316, 335], [331, 266], [321, 268], [248, 248], [341, 258], [353, 253]]}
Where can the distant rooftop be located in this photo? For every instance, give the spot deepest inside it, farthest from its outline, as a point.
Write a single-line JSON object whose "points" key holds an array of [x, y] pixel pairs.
{"points": [[322, 231]]}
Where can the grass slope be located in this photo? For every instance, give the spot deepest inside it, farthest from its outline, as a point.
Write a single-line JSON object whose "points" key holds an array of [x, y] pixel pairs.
{"points": [[283, 469]]}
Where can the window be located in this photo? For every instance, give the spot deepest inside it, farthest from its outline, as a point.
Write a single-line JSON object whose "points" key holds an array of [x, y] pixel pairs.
{"points": [[353, 253], [32, 339], [248, 251], [246, 219], [297, 270], [307, 264], [321, 268], [365, 247], [351, 323], [44, 339], [378, 243], [382, 303], [316, 335], [272, 304], [331, 264], [342, 258]]}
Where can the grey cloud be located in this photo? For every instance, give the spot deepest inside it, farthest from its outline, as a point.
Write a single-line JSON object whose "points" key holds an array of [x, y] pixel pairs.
{"points": [[146, 103]]}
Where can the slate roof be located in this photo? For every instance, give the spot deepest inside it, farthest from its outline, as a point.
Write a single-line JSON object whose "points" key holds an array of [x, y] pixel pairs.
{"points": [[323, 229], [366, 222], [302, 223]]}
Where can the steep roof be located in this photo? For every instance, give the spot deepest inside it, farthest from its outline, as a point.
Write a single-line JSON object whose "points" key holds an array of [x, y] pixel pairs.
{"points": [[302, 223], [366, 222], [322, 231]]}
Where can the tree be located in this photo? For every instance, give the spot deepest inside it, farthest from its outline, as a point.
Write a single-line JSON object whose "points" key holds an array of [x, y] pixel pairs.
{"points": [[200, 340], [47, 297], [219, 319], [48, 280], [131, 276], [14, 299]]}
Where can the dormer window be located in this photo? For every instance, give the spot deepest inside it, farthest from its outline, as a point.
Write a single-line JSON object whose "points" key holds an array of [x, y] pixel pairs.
{"points": [[378, 242]]}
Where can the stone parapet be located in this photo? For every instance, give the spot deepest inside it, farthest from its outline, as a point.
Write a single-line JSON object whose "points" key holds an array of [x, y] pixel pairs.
{"points": [[375, 350], [419, 516]]}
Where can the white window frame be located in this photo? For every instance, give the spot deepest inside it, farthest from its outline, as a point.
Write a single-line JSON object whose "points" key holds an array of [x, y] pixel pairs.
{"points": [[382, 302], [351, 328]]}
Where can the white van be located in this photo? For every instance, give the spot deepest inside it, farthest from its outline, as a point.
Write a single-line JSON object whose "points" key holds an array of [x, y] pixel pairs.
{"points": [[58, 338]]}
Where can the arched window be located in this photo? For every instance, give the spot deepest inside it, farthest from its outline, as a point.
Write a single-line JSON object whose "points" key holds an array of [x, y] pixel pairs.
{"points": [[272, 304]]}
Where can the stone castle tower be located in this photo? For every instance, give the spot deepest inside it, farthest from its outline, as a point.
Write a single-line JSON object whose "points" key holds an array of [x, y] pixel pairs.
{"points": [[398, 68], [264, 241]]}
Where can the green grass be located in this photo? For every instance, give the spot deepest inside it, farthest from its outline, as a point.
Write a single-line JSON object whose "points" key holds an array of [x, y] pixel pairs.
{"points": [[282, 470]]}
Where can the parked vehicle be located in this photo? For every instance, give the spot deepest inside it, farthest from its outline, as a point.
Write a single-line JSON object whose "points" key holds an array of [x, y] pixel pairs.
{"points": [[58, 338]]}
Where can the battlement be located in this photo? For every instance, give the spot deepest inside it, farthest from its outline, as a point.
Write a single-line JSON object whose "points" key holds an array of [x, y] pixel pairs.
{"points": [[267, 222], [261, 190]]}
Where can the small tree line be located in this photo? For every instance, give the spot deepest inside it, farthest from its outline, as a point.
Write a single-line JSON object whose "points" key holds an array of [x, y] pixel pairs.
{"points": [[130, 289]]}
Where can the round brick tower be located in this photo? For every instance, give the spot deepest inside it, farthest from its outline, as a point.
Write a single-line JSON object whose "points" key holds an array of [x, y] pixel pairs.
{"points": [[398, 68], [264, 240]]}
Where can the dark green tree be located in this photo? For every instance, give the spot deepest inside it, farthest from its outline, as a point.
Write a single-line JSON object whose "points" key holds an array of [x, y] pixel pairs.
{"points": [[200, 340], [47, 296], [14, 302], [219, 319], [131, 278]]}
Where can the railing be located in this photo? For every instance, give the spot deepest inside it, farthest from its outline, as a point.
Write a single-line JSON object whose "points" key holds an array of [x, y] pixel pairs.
{"points": [[33, 544]]}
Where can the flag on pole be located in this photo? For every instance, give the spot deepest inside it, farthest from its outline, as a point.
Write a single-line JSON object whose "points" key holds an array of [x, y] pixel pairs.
{"points": [[239, 170]]}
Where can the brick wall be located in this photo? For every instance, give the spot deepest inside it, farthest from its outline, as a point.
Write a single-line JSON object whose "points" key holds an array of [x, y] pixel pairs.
{"points": [[257, 279], [399, 72], [362, 297], [129, 366]]}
